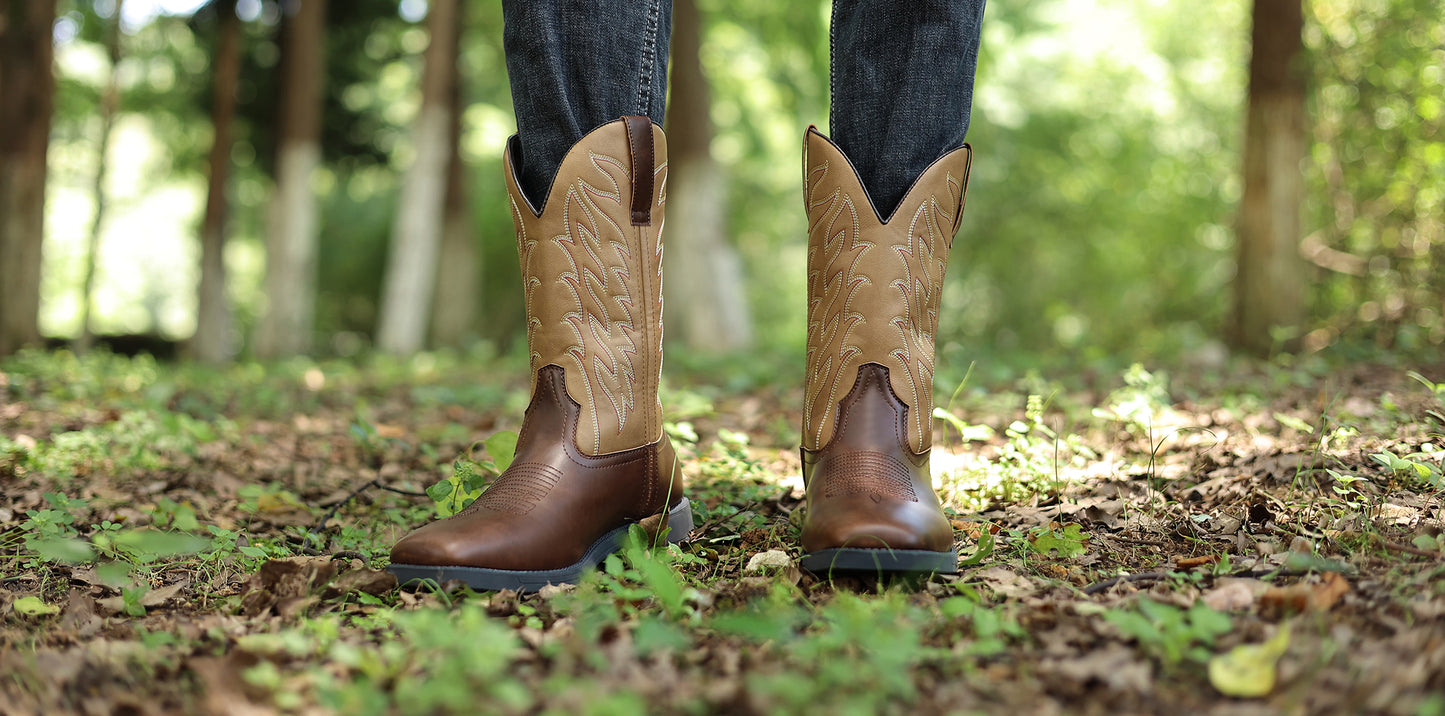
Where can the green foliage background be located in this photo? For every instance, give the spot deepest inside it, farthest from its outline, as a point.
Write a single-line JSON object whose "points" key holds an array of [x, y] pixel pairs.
{"points": [[1100, 217]]}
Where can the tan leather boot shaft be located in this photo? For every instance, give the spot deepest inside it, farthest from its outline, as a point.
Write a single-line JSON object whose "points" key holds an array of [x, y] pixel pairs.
{"points": [[592, 275], [874, 286]]}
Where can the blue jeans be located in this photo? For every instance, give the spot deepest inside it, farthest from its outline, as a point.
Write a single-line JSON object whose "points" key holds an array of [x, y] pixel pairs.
{"points": [[901, 80]]}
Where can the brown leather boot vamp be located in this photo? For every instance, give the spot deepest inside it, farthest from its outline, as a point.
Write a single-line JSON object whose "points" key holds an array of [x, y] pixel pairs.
{"points": [[871, 505], [554, 513]]}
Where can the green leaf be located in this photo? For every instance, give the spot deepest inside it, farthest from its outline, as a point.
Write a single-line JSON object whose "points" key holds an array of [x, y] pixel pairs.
{"points": [[113, 574], [653, 634], [662, 582], [34, 607], [439, 491], [152, 544], [501, 447], [463, 487], [985, 548], [185, 519], [1309, 562], [133, 599], [63, 549], [966, 432], [1069, 541], [1291, 421]]}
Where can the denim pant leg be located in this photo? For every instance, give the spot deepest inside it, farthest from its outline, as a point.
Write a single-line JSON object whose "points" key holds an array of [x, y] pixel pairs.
{"points": [[575, 65], [902, 87]]}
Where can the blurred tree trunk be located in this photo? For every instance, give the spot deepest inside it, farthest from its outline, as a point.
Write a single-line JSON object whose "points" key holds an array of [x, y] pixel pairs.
{"points": [[213, 342], [291, 238], [704, 278], [458, 281], [1270, 282], [27, 84], [411, 269], [109, 103]]}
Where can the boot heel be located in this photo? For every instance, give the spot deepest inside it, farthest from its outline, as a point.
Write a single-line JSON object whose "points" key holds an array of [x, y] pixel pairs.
{"points": [[677, 521]]}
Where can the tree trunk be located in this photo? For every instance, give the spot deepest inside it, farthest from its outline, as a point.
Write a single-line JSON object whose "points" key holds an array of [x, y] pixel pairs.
{"points": [[1270, 282], [109, 104], [458, 281], [213, 341], [291, 239], [704, 277], [27, 84], [411, 270]]}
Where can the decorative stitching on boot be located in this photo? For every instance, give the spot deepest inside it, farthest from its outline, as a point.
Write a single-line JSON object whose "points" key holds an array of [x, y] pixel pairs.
{"points": [[605, 320], [589, 288], [924, 262], [519, 489], [869, 473], [833, 284], [852, 318]]}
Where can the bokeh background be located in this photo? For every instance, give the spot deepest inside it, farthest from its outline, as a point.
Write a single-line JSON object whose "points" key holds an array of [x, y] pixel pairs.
{"points": [[1102, 220]]}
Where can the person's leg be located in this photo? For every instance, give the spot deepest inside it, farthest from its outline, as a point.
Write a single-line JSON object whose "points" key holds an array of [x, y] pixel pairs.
{"points": [[902, 86], [575, 65], [588, 204], [884, 199]]}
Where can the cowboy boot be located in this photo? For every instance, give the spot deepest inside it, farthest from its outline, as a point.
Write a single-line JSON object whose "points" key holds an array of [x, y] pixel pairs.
{"points": [[873, 294], [591, 458]]}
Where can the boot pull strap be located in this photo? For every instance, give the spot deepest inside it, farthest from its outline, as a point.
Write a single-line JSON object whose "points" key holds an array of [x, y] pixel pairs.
{"points": [[639, 140], [962, 192]]}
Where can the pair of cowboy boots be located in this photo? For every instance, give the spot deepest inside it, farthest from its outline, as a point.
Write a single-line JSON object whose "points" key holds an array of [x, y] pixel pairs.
{"points": [[592, 458]]}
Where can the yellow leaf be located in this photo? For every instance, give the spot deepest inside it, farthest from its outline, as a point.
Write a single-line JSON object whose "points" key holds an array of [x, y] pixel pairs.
{"points": [[1248, 670], [34, 607]]}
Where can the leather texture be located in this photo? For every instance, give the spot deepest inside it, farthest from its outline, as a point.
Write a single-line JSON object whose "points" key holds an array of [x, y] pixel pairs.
{"points": [[873, 299], [874, 285], [553, 501], [866, 489], [593, 281], [591, 455]]}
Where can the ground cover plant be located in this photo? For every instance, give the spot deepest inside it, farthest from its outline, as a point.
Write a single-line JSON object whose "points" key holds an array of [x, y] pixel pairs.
{"points": [[1238, 539]]}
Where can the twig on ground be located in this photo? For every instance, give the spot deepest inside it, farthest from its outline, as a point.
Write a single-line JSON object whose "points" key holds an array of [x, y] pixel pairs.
{"points": [[1097, 587], [342, 503], [1139, 540], [1407, 549]]}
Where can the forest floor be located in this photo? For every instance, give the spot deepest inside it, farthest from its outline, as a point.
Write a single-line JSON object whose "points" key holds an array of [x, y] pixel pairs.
{"points": [[1247, 539]]}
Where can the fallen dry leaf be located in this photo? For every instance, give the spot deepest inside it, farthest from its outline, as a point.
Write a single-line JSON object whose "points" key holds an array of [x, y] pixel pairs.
{"points": [[286, 580], [1006, 583], [1234, 594], [1305, 596], [369, 581], [1116, 666], [1190, 562], [225, 692]]}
